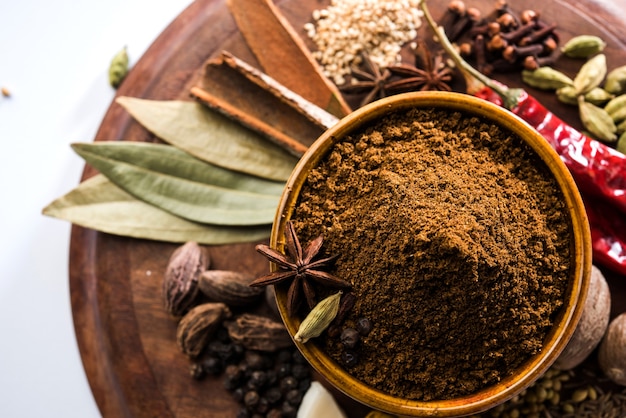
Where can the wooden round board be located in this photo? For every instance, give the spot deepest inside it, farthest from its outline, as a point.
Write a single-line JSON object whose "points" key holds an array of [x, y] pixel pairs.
{"points": [[126, 339]]}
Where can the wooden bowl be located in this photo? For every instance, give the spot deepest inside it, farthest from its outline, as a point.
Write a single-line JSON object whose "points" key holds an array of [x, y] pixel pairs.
{"points": [[569, 314]]}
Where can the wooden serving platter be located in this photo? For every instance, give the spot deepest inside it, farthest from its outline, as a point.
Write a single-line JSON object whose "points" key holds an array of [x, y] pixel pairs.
{"points": [[126, 339]]}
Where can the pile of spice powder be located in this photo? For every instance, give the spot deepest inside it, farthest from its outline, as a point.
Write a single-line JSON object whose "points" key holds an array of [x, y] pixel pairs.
{"points": [[347, 28], [455, 237]]}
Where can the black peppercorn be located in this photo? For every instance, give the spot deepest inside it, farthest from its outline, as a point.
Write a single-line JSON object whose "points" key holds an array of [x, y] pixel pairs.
{"points": [[257, 379], [304, 385], [274, 413], [251, 399], [349, 358], [364, 326], [284, 356], [271, 377], [262, 406], [288, 383], [294, 397], [349, 337], [284, 370], [254, 360], [288, 410], [237, 394], [300, 371], [273, 395], [213, 366], [298, 358], [233, 377]]}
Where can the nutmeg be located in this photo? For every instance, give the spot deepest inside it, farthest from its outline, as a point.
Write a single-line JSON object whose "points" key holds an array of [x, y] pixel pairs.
{"points": [[612, 352], [592, 325], [180, 282]]}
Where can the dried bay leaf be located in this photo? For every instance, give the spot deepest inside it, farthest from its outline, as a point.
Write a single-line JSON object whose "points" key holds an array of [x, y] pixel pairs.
{"points": [[210, 136], [99, 204], [171, 160], [184, 197]]}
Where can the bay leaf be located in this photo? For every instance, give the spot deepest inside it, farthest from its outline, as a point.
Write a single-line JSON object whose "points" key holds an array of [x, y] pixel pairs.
{"points": [[192, 200], [171, 160], [99, 204], [210, 136]]}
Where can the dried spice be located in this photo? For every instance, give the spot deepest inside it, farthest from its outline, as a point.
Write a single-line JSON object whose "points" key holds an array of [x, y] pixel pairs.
{"points": [[229, 287], [173, 180], [502, 41], [611, 355], [547, 78], [371, 80], [198, 325], [583, 46], [428, 73], [344, 30], [118, 68], [211, 137], [477, 253], [180, 281], [283, 55], [256, 332], [99, 204], [319, 318], [616, 81], [244, 94], [376, 82], [597, 121], [591, 74], [301, 267]]}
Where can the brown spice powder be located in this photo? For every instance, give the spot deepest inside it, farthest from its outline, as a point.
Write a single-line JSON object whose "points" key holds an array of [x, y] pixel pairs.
{"points": [[456, 239]]}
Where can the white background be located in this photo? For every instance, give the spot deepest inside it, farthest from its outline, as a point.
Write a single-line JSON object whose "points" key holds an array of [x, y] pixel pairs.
{"points": [[54, 57]]}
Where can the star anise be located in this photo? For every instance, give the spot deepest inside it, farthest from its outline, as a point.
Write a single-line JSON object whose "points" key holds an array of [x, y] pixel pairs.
{"points": [[434, 74], [371, 79], [299, 266]]}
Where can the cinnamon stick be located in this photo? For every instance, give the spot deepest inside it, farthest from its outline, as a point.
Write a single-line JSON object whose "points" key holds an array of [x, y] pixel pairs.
{"points": [[247, 95], [283, 55]]}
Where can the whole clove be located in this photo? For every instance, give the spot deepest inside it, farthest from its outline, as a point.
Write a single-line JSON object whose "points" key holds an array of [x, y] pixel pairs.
{"points": [[504, 40]]}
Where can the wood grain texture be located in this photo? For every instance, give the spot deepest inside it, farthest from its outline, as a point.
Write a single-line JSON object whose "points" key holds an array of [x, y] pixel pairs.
{"points": [[126, 339]]}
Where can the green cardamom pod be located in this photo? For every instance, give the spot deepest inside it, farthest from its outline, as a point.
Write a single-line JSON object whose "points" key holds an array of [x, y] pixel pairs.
{"points": [[591, 74], [319, 318], [615, 104], [546, 78], [597, 121], [616, 81], [598, 96], [619, 115], [583, 46], [567, 95], [621, 143], [118, 68], [621, 127]]}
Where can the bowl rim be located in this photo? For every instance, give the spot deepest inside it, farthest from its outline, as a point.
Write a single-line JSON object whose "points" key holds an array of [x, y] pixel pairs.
{"points": [[555, 342]]}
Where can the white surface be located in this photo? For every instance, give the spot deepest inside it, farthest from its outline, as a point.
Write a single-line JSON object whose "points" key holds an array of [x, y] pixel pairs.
{"points": [[54, 57]]}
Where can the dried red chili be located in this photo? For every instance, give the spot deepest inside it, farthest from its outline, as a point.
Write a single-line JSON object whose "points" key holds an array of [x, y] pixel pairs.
{"points": [[598, 170]]}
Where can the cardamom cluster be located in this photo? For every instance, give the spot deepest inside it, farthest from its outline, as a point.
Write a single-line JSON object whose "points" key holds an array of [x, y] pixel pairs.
{"points": [[599, 94]]}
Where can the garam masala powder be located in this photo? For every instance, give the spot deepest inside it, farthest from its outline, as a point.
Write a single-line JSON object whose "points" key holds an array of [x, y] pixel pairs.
{"points": [[455, 237]]}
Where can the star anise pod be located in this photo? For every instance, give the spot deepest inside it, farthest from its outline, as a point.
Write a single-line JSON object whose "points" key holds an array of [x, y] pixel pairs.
{"points": [[299, 266], [428, 73], [371, 79]]}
